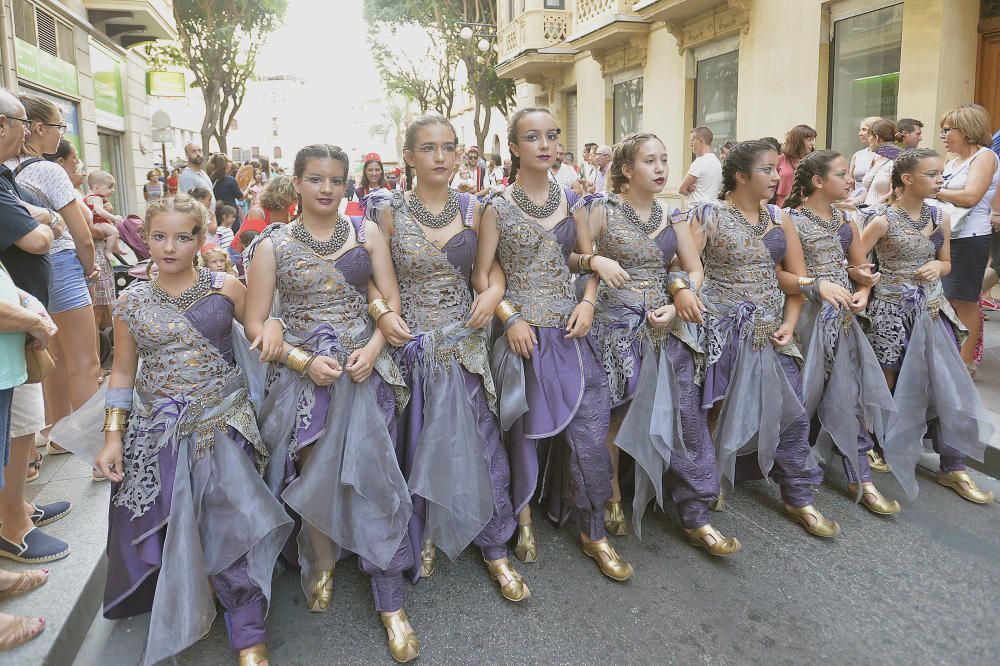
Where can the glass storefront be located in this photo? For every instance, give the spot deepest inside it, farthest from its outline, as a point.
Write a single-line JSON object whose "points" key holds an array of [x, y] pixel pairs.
{"points": [[715, 94], [864, 72], [627, 108], [111, 161]]}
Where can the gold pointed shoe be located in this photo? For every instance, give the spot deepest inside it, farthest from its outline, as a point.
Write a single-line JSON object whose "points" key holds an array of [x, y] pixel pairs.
{"points": [[322, 593], [610, 562], [428, 559], [526, 549], [875, 501], [614, 519], [717, 544], [718, 504], [877, 462], [962, 483], [818, 526], [512, 586], [403, 643], [254, 656]]}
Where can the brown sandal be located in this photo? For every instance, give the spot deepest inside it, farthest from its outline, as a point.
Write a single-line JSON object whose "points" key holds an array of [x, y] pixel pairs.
{"points": [[34, 467], [21, 630], [24, 583]]}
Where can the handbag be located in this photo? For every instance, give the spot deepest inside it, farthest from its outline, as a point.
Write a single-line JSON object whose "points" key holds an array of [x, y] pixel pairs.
{"points": [[39, 363], [957, 215]]}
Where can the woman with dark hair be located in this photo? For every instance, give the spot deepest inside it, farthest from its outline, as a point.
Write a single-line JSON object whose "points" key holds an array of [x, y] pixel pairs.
{"points": [[452, 453], [372, 175], [333, 457], [225, 187], [875, 188], [799, 142], [752, 371], [551, 389], [842, 376], [649, 347]]}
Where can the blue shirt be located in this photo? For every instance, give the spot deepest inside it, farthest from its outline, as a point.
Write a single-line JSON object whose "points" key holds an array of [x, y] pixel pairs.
{"points": [[30, 272], [13, 370]]}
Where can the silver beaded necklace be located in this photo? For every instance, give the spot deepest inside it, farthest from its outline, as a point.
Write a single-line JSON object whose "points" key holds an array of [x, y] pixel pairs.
{"points": [[650, 225], [525, 203], [916, 225], [830, 225], [426, 218], [322, 248], [202, 285], [763, 220]]}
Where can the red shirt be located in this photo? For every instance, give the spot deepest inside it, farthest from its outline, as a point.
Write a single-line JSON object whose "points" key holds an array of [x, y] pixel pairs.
{"points": [[172, 185]]}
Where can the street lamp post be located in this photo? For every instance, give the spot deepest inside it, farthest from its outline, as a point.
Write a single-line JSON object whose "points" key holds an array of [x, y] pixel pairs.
{"points": [[485, 32]]}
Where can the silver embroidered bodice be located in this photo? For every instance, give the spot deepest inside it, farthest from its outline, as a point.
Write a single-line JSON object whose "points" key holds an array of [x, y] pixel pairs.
{"points": [[901, 251], [822, 249], [638, 254], [538, 277]]}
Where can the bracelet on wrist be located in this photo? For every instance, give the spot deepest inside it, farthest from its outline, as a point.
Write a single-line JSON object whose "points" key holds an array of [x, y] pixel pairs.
{"points": [[511, 320], [115, 419], [676, 285], [504, 311], [806, 281], [284, 326], [584, 263], [298, 360], [378, 307], [592, 303]]}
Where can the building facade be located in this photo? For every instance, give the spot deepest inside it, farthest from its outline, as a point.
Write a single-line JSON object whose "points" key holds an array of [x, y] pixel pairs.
{"points": [[748, 68], [81, 55]]}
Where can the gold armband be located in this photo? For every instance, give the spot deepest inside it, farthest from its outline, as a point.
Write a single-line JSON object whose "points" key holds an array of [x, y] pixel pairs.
{"points": [[378, 307], [806, 281], [585, 263], [504, 311], [115, 419], [676, 285], [298, 359]]}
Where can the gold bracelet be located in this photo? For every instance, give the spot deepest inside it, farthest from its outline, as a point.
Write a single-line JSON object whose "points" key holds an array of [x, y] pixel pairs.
{"points": [[676, 285], [115, 419], [585, 263], [806, 281], [297, 360], [378, 307], [504, 311]]}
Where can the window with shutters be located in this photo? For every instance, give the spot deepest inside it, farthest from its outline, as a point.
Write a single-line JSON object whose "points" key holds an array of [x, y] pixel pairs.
{"points": [[40, 28]]}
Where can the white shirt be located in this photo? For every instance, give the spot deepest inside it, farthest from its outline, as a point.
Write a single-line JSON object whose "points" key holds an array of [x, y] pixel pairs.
{"points": [[566, 175], [46, 184], [458, 181], [707, 172], [190, 179], [956, 175], [862, 163], [494, 181]]}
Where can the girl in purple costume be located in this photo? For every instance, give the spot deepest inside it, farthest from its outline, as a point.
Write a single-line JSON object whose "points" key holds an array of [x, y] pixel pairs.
{"points": [[648, 348], [752, 360], [449, 436], [549, 379], [916, 333], [334, 461], [842, 377], [187, 502]]}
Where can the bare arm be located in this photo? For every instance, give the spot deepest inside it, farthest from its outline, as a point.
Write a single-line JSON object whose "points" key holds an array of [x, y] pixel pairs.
{"points": [[687, 185], [981, 172], [80, 231], [489, 238], [237, 293]]}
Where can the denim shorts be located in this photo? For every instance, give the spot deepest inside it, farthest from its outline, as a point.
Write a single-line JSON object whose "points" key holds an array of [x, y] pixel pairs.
{"points": [[5, 402], [68, 288]]}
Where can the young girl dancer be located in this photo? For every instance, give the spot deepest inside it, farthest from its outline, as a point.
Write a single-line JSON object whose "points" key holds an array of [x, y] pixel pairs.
{"points": [[549, 378], [915, 334], [183, 451], [449, 438], [334, 461], [752, 359], [648, 348], [842, 376]]}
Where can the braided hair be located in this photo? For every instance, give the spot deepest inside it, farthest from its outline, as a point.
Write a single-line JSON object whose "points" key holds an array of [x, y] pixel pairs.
{"points": [[624, 153], [907, 162], [515, 161], [814, 164], [741, 159]]}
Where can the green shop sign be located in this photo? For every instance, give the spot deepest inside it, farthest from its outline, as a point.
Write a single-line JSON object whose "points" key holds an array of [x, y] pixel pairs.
{"points": [[34, 64], [166, 84], [109, 98]]}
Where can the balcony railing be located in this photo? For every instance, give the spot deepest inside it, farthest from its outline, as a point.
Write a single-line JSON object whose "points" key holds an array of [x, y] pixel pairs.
{"points": [[534, 29], [597, 11]]}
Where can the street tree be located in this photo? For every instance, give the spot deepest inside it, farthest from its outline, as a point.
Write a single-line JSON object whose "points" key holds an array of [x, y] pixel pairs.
{"points": [[427, 78], [219, 41]]}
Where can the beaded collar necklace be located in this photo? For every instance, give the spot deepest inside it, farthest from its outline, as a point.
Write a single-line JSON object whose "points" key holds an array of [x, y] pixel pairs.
{"points": [[202, 285]]}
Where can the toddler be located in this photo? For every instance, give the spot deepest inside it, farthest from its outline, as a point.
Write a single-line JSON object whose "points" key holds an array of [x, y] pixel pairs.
{"points": [[102, 186], [214, 258], [226, 218]]}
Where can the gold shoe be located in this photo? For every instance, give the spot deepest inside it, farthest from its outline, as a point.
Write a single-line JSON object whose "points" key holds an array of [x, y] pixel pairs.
{"points": [[962, 483], [514, 589], [526, 549], [254, 656], [403, 643], [877, 462], [428, 559], [819, 526], [610, 562], [879, 505], [322, 593], [614, 519], [718, 504], [720, 545]]}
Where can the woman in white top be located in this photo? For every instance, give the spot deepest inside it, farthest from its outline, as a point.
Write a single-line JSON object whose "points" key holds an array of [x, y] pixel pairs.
{"points": [[970, 182], [875, 185], [862, 159], [495, 178]]}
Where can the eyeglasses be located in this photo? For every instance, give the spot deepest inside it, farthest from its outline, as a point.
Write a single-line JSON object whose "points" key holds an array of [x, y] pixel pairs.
{"points": [[945, 130], [62, 127], [27, 123]]}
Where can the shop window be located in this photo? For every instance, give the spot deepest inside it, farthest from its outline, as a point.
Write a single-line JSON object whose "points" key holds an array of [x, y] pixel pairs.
{"points": [[715, 95], [112, 162], [864, 72], [627, 108]]}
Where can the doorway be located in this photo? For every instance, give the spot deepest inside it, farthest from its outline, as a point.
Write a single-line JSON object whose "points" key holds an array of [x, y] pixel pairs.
{"points": [[988, 68]]}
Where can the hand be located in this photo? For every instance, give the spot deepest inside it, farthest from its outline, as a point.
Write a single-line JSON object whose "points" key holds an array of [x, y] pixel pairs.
{"points": [[859, 301], [482, 308], [689, 307], [394, 329], [662, 316], [95, 271], [609, 270], [361, 361], [270, 341], [109, 460], [580, 321], [834, 294], [324, 371], [783, 335], [862, 275], [929, 272], [41, 331], [521, 339]]}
